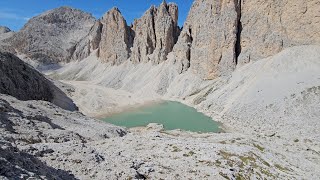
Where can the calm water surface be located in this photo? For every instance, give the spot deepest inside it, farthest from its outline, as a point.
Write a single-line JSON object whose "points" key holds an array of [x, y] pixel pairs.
{"points": [[173, 115]]}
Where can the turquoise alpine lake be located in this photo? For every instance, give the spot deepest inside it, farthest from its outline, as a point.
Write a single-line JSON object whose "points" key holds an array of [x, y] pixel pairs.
{"points": [[172, 115]]}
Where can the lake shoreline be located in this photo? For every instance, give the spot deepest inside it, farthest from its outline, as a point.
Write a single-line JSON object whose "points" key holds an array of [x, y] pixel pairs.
{"points": [[127, 108], [171, 114]]}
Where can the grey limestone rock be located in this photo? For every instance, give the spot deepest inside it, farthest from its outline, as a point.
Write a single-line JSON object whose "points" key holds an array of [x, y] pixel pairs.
{"points": [[270, 26], [20, 80], [51, 37], [156, 33], [116, 38], [208, 40], [4, 29]]}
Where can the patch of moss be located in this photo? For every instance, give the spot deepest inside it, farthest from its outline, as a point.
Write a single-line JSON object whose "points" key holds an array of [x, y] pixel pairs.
{"points": [[223, 142], [283, 169], [175, 149], [192, 171], [250, 160], [223, 175], [240, 177], [226, 155], [208, 163], [190, 153], [247, 159], [267, 173], [259, 147]]}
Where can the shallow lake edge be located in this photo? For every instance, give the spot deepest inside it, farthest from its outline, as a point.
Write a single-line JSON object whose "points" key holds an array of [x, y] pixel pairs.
{"points": [[221, 127]]}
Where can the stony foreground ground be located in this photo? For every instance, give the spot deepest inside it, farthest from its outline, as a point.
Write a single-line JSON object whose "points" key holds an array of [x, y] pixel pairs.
{"points": [[41, 140]]}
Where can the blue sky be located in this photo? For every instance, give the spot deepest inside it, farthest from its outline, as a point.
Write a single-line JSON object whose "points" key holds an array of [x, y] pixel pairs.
{"points": [[15, 13]]}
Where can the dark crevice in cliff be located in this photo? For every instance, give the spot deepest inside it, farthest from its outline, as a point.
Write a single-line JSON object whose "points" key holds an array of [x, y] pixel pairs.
{"points": [[154, 27], [190, 33], [190, 40], [99, 34], [238, 34], [97, 38], [130, 39]]}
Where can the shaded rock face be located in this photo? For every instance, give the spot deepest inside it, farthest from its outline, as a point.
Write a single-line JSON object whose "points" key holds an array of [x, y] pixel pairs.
{"points": [[21, 81], [89, 43], [270, 26], [116, 38], [18, 79], [156, 33], [207, 41], [51, 37], [4, 29]]}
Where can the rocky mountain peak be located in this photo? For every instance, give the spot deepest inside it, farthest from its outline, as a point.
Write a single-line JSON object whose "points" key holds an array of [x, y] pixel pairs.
{"points": [[114, 9], [208, 40], [116, 38], [51, 37], [156, 33], [4, 29], [163, 8]]}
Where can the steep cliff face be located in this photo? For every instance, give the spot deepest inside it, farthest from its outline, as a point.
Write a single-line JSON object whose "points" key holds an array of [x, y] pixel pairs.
{"points": [[18, 79], [218, 35], [270, 26], [155, 34], [116, 38], [89, 43], [52, 36], [208, 39]]}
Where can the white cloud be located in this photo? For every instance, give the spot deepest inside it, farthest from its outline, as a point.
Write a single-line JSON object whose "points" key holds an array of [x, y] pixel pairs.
{"points": [[13, 16]]}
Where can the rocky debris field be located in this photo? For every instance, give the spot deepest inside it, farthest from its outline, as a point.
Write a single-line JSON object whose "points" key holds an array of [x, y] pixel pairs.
{"points": [[39, 139], [251, 65]]}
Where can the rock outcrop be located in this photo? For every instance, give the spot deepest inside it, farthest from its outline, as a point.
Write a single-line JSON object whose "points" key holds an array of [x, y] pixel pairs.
{"points": [[52, 36], [218, 35], [116, 38], [270, 26], [18, 79], [89, 43], [4, 29], [6, 33], [155, 34], [26, 129], [208, 40]]}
